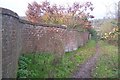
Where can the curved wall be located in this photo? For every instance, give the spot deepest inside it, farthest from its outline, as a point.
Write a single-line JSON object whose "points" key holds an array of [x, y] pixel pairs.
{"points": [[22, 37]]}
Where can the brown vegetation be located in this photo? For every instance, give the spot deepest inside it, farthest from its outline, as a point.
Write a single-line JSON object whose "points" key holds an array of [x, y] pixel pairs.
{"points": [[73, 16]]}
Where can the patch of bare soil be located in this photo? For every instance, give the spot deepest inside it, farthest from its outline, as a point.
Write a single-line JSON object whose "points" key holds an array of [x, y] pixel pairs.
{"points": [[86, 68]]}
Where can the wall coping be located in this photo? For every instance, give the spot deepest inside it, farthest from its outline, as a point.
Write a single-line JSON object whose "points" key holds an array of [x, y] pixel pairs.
{"points": [[8, 12], [5, 11]]}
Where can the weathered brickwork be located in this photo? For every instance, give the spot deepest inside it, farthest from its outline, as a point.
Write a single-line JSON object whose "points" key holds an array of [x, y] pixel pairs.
{"points": [[22, 37]]}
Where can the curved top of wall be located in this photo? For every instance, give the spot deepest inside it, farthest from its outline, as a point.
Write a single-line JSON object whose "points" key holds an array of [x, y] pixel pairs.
{"points": [[5, 11], [8, 12]]}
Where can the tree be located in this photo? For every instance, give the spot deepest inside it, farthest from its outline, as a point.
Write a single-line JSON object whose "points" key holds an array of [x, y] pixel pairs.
{"points": [[73, 16]]}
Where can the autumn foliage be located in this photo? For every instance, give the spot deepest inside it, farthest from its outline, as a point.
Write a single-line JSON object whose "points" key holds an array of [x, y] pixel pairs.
{"points": [[72, 16]]}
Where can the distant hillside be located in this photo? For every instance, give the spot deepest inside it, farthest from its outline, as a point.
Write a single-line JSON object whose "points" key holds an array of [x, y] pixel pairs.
{"points": [[99, 22], [104, 25]]}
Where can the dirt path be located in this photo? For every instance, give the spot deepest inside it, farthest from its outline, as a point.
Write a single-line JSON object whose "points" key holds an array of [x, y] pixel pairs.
{"points": [[86, 68]]}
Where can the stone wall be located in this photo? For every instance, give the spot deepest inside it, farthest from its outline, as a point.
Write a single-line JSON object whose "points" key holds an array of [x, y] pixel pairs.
{"points": [[0, 45], [22, 37]]}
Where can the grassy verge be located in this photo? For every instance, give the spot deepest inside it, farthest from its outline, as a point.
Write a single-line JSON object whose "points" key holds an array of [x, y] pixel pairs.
{"points": [[107, 65], [41, 65]]}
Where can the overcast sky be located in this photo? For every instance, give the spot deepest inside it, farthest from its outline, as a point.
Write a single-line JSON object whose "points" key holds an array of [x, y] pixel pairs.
{"points": [[20, 6]]}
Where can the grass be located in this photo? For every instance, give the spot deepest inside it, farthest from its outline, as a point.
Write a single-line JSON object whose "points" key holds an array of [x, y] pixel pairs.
{"points": [[107, 65], [41, 65]]}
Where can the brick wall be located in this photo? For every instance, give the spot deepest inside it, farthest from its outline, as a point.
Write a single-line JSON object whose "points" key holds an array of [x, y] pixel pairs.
{"points": [[22, 37]]}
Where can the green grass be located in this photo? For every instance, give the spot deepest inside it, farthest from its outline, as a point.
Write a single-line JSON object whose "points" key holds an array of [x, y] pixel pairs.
{"points": [[41, 65], [107, 65]]}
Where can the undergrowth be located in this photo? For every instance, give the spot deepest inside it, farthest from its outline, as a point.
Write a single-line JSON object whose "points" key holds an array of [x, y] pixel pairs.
{"points": [[107, 65], [39, 65]]}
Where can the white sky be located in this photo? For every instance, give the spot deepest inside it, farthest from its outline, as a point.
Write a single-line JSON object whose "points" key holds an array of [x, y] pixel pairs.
{"points": [[20, 6]]}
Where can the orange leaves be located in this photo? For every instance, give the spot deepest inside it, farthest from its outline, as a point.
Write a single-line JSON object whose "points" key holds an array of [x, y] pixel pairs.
{"points": [[76, 14], [33, 12]]}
